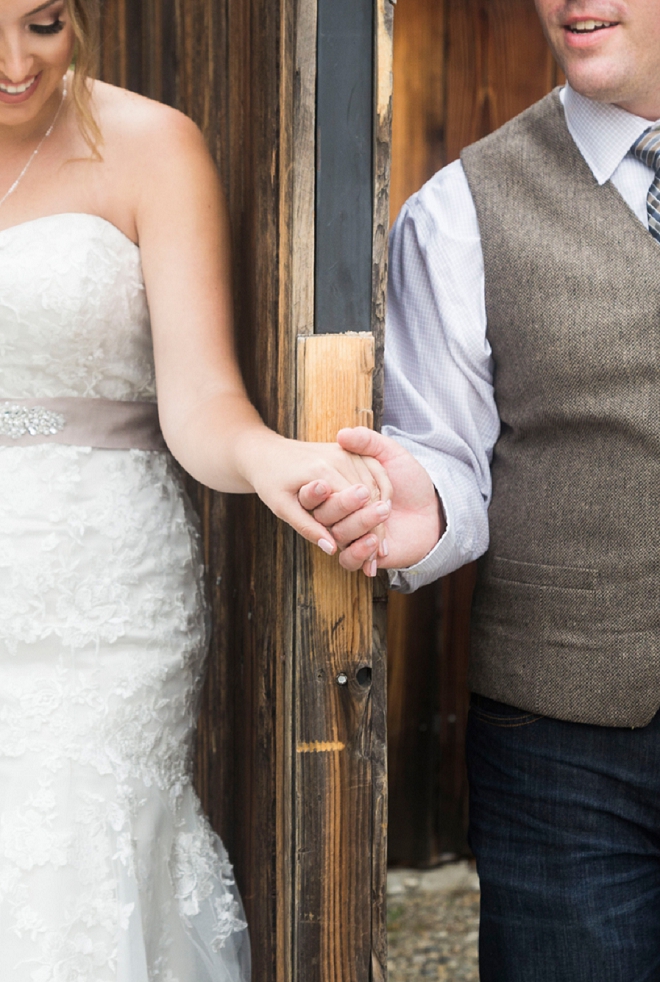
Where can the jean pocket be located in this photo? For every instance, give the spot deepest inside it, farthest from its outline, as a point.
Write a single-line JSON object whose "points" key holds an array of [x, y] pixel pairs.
{"points": [[499, 713]]}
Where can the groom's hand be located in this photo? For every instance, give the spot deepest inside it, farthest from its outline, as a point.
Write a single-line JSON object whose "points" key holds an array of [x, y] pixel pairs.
{"points": [[413, 524]]}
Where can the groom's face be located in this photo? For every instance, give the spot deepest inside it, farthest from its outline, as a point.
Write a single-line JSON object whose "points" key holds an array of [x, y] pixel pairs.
{"points": [[609, 49]]}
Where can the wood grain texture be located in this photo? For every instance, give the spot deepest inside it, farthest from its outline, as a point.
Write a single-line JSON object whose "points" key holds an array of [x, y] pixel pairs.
{"points": [[498, 63], [245, 71], [379, 778], [382, 159], [334, 822], [461, 69], [261, 39], [418, 145], [413, 727], [453, 699], [304, 168]]}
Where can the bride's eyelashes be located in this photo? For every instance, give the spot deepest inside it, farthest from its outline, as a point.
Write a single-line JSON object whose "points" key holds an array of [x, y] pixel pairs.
{"points": [[54, 28]]}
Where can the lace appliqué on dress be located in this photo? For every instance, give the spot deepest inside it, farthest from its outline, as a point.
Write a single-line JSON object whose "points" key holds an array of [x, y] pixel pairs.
{"points": [[109, 871]]}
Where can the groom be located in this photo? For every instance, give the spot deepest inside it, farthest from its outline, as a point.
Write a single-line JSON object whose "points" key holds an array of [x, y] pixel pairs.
{"points": [[523, 426]]}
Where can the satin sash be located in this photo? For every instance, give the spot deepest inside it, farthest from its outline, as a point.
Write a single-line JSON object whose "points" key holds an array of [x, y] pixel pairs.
{"points": [[81, 422]]}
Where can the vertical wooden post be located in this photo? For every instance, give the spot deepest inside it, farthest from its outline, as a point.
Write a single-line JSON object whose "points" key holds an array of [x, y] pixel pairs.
{"points": [[333, 683], [339, 676], [382, 155]]}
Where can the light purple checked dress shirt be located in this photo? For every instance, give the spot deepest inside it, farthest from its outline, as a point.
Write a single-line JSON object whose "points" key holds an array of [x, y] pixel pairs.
{"points": [[439, 401]]}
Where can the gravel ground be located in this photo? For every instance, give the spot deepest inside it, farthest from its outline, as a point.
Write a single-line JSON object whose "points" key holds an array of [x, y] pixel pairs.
{"points": [[433, 924]]}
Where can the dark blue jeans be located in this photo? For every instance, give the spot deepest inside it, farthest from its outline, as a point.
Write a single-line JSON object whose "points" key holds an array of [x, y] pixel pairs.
{"points": [[565, 826]]}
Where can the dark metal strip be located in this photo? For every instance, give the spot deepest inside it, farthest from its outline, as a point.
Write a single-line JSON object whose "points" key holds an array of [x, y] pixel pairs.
{"points": [[344, 180]]}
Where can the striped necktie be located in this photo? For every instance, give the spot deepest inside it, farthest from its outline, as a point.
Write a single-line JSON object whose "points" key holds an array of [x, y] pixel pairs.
{"points": [[647, 149]]}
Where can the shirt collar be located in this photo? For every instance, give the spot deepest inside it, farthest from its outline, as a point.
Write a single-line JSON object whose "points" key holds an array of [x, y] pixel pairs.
{"points": [[602, 132]]}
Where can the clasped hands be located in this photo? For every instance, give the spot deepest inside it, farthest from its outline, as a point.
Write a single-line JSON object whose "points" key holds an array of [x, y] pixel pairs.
{"points": [[373, 534]]}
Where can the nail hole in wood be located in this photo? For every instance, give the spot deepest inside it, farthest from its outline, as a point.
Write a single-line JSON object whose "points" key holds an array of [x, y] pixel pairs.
{"points": [[363, 676]]}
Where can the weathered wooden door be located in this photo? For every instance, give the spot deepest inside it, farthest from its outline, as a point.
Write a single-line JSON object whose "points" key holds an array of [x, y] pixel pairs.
{"points": [[291, 762], [461, 69]]}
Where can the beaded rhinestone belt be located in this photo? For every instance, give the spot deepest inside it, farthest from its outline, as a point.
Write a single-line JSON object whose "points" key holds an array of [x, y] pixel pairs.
{"points": [[104, 423]]}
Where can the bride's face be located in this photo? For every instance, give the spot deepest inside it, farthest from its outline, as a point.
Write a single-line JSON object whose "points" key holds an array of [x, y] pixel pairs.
{"points": [[36, 46]]}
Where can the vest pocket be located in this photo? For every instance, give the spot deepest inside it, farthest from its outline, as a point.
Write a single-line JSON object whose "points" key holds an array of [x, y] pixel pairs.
{"points": [[536, 574]]}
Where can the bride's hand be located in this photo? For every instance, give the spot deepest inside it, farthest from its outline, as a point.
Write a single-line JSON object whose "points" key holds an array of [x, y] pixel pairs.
{"points": [[341, 508], [278, 469]]}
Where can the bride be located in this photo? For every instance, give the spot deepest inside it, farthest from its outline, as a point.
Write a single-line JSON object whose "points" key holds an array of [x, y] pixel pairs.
{"points": [[114, 258]]}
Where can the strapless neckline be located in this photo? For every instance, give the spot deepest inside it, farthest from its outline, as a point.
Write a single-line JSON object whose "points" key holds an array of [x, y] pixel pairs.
{"points": [[70, 215], [74, 319]]}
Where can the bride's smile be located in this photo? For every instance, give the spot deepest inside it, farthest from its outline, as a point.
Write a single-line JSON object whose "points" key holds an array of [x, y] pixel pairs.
{"points": [[18, 93], [36, 47]]}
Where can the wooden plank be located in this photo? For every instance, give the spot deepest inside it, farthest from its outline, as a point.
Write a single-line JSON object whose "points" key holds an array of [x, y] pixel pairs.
{"points": [[498, 63], [418, 144], [466, 75], [382, 159], [413, 719], [304, 168], [152, 61], [333, 705], [136, 43], [379, 782], [260, 50], [521, 68], [296, 49], [113, 48], [451, 808]]}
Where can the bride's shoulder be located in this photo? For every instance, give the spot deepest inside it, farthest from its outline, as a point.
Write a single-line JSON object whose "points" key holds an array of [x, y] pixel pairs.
{"points": [[154, 158], [139, 131]]}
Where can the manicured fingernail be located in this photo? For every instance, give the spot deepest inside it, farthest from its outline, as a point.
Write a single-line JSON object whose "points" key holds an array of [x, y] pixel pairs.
{"points": [[371, 542], [374, 568], [326, 546], [383, 509], [362, 493], [320, 488], [384, 548]]}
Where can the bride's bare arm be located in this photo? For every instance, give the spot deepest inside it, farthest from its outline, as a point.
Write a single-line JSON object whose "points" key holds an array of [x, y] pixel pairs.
{"points": [[206, 417]]}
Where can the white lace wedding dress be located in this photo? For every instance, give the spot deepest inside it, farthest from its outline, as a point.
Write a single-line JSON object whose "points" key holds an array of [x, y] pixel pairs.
{"points": [[109, 872]]}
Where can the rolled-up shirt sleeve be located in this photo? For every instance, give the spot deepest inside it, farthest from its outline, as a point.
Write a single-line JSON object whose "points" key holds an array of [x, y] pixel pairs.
{"points": [[439, 401]]}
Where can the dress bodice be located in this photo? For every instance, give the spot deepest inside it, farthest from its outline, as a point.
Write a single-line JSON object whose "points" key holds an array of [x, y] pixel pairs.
{"points": [[73, 311]]}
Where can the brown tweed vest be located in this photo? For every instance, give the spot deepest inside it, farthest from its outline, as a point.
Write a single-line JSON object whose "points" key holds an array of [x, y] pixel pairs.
{"points": [[566, 617]]}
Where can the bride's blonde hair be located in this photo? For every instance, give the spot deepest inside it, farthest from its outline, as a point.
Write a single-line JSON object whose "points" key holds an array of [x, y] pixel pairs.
{"points": [[85, 16]]}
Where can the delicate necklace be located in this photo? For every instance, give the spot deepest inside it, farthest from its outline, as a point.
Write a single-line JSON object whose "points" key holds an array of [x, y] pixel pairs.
{"points": [[35, 152]]}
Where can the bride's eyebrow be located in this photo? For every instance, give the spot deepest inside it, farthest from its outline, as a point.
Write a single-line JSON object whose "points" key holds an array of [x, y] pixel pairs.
{"points": [[44, 6]]}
